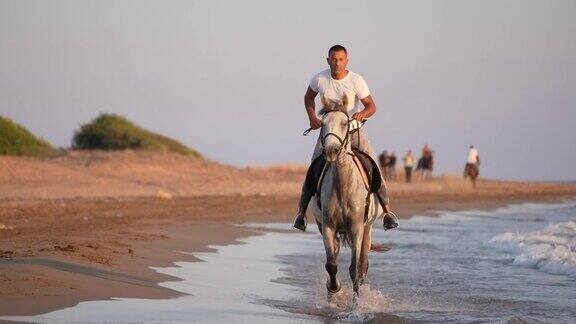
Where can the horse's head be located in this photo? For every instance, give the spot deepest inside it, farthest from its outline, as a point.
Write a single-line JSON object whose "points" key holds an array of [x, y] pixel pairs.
{"points": [[335, 125]]}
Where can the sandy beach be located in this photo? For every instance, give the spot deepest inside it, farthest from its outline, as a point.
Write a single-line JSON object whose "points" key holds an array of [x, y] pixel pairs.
{"points": [[88, 225]]}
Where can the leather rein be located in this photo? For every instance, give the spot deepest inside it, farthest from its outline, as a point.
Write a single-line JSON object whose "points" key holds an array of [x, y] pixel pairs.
{"points": [[343, 142]]}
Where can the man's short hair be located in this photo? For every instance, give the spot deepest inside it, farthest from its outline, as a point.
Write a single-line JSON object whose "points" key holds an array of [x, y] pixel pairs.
{"points": [[337, 48]]}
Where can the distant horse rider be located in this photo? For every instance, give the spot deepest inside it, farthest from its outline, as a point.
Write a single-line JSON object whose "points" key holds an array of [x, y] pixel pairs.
{"points": [[392, 167], [426, 151], [384, 160], [472, 160], [333, 84], [426, 163]]}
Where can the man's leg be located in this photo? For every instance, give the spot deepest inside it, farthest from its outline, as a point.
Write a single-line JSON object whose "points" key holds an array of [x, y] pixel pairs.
{"points": [[308, 191], [360, 142], [466, 168], [309, 187]]}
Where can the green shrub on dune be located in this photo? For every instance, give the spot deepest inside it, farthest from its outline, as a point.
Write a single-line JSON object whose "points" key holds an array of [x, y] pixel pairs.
{"points": [[113, 132], [17, 140]]}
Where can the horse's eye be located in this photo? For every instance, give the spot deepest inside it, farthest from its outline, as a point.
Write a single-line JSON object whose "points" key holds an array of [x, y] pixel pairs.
{"points": [[344, 124]]}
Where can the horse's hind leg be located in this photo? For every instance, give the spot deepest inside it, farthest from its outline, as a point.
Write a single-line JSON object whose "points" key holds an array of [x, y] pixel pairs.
{"points": [[331, 247], [363, 262]]}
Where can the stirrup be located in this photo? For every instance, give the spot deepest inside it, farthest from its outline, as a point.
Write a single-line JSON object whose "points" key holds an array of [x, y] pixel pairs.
{"points": [[300, 222], [390, 221]]}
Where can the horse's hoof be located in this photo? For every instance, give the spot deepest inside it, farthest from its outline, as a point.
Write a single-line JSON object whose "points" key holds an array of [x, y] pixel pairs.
{"points": [[333, 291], [355, 300], [300, 222], [390, 221]]}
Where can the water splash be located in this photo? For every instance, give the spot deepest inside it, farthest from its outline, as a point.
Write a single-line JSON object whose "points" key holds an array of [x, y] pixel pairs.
{"points": [[342, 306]]}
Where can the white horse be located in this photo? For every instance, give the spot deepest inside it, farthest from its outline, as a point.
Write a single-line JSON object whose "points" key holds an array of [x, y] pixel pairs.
{"points": [[341, 215]]}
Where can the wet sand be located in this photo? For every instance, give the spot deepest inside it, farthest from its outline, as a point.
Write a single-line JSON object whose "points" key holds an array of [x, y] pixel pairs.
{"points": [[56, 251]]}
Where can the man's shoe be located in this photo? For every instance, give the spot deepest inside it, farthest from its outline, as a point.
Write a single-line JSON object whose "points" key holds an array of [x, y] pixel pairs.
{"points": [[300, 222], [390, 221]]}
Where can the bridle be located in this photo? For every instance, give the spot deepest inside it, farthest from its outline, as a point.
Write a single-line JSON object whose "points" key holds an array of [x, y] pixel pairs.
{"points": [[343, 141]]}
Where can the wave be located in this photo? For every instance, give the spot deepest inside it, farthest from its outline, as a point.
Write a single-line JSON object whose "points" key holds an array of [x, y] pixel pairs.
{"points": [[552, 250]]}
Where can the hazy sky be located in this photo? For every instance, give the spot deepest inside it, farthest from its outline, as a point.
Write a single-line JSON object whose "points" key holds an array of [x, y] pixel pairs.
{"points": [[228, 77]]}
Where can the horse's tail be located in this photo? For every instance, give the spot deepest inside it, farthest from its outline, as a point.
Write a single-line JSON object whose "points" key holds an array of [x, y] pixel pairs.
{"points": [[345, 239]]}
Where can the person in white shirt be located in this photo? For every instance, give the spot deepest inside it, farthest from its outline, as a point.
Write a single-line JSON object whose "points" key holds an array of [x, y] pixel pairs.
{"points": [[408, 165], [473, 159], [333, 84]]}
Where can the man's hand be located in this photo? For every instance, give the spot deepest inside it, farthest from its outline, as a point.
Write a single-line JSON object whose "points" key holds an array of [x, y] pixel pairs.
{"points": [[360, 116], [315, 122], [368, 111]]}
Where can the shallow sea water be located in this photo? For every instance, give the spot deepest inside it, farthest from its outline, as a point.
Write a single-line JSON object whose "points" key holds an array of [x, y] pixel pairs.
{"points": [[511, 265]]}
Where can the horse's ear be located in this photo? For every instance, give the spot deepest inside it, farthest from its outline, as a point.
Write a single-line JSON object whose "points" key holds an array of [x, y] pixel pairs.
{"points": [[344, 102], [324, 101]]}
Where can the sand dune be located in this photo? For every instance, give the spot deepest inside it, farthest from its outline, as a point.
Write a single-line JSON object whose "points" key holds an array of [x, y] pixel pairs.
{"points": [[129, 174]]}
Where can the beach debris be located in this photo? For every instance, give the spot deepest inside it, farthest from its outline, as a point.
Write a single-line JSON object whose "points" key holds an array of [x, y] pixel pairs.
{"points": [[163, 194], [6, 227], [6, 253], [67, 248]]}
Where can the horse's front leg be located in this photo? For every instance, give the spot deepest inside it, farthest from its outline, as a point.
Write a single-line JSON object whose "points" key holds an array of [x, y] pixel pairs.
{"points": [[331, 246], [356, 235], [363, 262]]}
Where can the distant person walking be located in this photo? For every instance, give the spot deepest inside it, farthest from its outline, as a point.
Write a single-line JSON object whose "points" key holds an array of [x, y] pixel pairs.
{"points": [[408, 166]]}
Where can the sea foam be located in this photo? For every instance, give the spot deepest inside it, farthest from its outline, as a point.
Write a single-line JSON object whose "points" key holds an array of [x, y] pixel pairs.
{"points": [[552, 249]]}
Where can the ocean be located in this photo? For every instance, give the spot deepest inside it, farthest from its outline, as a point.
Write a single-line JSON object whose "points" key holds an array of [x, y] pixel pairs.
{"points": [[510, 265]]}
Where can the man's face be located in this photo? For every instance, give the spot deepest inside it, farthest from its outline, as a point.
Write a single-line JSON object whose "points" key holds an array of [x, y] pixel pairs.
{"points": [[338, 60]]}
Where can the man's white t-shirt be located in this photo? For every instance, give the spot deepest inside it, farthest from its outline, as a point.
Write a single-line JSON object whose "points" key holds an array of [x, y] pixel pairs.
{"points": [[472, 156], [352, 85]]}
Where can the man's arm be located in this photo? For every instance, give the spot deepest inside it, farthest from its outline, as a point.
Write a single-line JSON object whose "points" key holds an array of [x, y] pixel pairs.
{"points": [[310, 105], [368, 111]]}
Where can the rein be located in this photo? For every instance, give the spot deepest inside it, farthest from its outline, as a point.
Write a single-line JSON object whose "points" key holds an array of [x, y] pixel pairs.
{"points": [[344, 141]]}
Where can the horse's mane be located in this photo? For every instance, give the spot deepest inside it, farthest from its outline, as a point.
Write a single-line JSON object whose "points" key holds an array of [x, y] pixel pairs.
{"points": [[334, 105]]}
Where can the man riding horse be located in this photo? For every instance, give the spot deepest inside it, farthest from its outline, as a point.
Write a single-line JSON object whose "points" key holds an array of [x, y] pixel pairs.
{"points": [[334, 84], [472, 163]]}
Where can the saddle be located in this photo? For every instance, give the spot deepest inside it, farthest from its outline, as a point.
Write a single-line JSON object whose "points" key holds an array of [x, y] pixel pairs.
{"points": [[366, 166]]}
